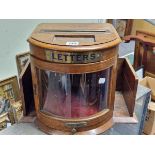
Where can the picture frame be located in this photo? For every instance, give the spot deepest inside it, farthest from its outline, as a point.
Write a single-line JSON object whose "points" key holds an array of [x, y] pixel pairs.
{"points": [[9, 93], [21, 60], [122, 26], [3, 120]]}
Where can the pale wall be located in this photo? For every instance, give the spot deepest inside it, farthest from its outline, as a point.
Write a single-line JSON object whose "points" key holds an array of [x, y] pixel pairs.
{"points": [[140, 24], [13, 36]]}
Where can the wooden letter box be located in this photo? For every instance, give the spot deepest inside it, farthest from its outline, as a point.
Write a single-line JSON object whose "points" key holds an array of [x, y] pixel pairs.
{"points": [[74, 76]]}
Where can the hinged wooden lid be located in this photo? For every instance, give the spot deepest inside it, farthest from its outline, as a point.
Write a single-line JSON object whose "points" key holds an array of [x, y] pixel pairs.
{"points": [[74, 35]]}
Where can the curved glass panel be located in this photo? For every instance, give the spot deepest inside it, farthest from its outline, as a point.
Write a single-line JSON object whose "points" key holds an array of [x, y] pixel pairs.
{"points": [[73, 95]]}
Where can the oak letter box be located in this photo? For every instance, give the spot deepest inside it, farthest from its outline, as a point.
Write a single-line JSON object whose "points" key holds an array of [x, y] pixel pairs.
{"points": [[74, 74]]}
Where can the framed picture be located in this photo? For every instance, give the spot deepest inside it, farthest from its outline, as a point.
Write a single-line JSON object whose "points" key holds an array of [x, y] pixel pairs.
{"points": [[122, 26], [21, 60], [3, 121], [9, 93]]}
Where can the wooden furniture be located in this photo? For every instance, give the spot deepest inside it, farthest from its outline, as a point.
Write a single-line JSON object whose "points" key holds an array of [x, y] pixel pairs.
{"points": [[73, 74], [26, 90], [144, 51], [127, 82]]}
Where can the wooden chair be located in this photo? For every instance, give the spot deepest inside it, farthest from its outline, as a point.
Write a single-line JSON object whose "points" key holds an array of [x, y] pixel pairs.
{"points": [[144, 51]]}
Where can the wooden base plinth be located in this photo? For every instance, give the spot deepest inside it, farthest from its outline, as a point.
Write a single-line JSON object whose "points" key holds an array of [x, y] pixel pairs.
{"points": [[95, 131]]}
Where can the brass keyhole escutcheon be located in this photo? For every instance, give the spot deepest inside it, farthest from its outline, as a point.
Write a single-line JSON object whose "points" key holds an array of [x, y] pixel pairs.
{"points": [[74, 131], [75, 125]]}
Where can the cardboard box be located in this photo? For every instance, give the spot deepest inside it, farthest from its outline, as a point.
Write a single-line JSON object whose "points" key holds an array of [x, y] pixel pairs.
{"points": [[149, 83], [149, 126]]}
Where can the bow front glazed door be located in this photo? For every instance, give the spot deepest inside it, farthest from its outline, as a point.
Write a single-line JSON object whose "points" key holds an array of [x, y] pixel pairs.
{"points": [[73, 95]]}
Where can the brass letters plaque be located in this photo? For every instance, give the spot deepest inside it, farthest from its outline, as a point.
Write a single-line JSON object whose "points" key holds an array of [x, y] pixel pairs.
{"points": [[73, 57]]}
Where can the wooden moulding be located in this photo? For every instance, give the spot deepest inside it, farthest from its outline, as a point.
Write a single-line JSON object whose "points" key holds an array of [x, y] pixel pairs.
{"points": [[127, 82]]}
